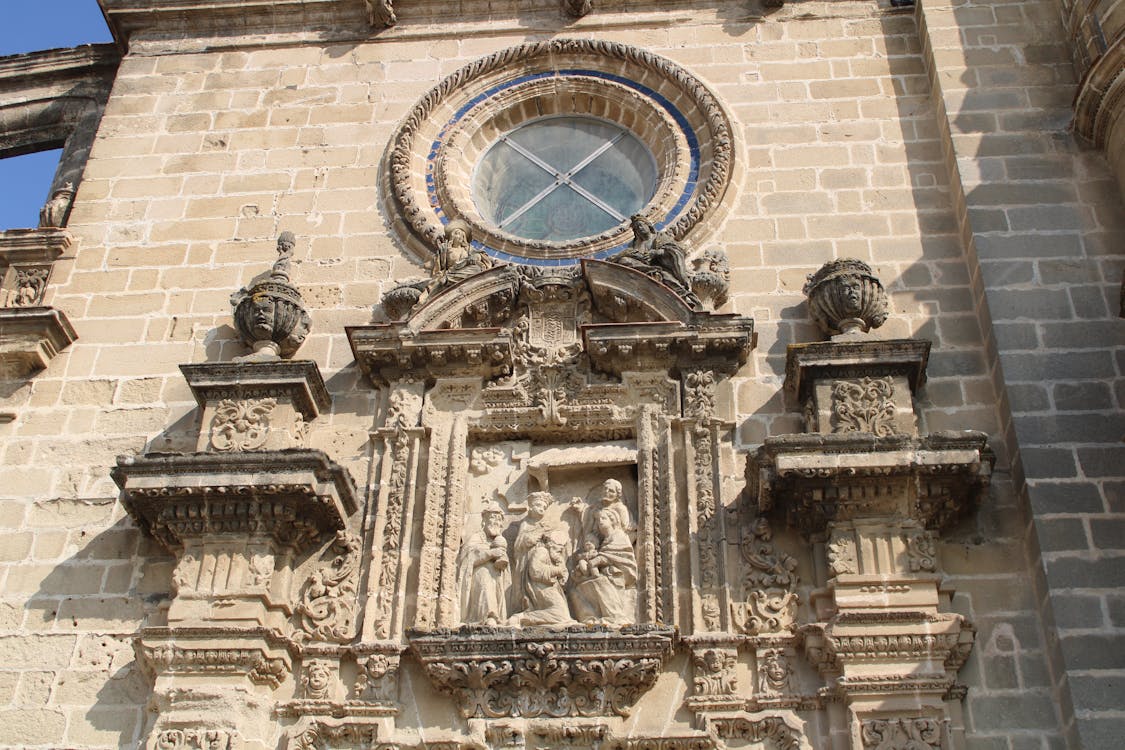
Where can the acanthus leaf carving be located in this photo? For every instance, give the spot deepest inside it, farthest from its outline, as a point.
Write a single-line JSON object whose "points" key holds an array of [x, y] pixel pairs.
{"points": [[864, 405], [901, 734], [771, 731], [842, 553], [195, 739], [328, 602], [241, 424], [769, 600]]}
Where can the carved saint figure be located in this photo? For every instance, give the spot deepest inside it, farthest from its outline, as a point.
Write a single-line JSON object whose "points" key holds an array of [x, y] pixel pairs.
{"points": [[528, 538], [611, 498], [483, 566], [605, 573], [456, 258], [657, 254], [543, 576], [55, 211]]}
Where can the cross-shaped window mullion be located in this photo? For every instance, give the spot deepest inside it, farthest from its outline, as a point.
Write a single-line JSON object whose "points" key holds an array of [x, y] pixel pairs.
{"points": [[561, 178]]}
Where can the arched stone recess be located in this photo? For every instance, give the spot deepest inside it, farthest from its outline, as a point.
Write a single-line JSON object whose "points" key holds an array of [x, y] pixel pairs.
{"points": [[550, 483]]}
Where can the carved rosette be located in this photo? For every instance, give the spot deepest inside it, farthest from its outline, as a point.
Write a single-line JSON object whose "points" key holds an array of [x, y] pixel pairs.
{"points": [[845, 296], [500, 672]]}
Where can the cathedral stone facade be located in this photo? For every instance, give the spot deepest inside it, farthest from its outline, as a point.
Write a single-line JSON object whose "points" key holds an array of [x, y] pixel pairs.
{"points": [[684, 375]]}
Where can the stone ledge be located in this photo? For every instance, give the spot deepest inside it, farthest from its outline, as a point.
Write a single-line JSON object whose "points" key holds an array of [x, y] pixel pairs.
{"points": [[292, 495], [298, 380], [814, 479], [805, 363], [30, 337]]}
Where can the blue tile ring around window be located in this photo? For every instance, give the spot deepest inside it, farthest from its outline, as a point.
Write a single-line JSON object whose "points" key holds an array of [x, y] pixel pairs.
{"points": [[673, 112]]}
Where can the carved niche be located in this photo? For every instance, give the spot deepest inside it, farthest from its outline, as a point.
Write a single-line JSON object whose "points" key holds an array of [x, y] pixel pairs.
{"points": [[551, 437]]}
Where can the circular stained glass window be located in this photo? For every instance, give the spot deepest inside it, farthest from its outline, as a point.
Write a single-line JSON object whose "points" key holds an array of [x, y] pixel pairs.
{"points": [[564, 178]]}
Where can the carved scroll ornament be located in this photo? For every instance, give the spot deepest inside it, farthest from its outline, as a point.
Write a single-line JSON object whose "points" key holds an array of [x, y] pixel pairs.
{"points": [[328, 603]]}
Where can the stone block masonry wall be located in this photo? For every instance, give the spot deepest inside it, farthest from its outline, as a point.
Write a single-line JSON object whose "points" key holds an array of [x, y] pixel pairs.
{"points": [[1044, 227], [845, 147]]}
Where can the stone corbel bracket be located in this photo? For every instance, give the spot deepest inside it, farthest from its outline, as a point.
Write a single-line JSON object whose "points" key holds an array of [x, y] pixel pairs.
{"points": [[292, 496], [388, 352], [259, 654], [31, 335], [532, 673], [807, 363], [854, 646], [813, 479]]}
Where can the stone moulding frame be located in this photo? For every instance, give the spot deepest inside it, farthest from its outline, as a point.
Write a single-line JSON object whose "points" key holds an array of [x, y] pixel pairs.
{"points": [[611, 76]]}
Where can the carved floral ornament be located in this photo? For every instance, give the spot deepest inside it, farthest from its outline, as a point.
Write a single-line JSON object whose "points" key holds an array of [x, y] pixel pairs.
{"points": [[691, 143]]}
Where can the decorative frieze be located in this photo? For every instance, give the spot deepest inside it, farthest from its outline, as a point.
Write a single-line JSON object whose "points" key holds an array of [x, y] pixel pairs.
{"points": [[901, 734], [500, 672]]}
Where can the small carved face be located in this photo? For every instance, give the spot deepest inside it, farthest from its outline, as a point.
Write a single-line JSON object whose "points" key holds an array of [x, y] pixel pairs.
{"points": [[611, 491], [777, 669], [607, 523], [493, 523], [262, 316], [713, 660], [317, 678], [762, 529], [853, 293], [537, 503]]}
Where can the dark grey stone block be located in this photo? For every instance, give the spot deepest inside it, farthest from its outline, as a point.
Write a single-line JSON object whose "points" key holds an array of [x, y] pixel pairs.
{"points": [[1061, 534], [1030, 304], [1108, 461], [1048, 463], [1089, 396]]}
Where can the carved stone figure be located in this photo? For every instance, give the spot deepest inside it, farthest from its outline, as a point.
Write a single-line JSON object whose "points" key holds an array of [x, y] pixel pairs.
{"points": [[456, 258], [317, 679], [846, 297], [56, 210], [484, 575], [659, 255], [714, 672], [528, 538], [380, 13], [270, 315], [710, 278], [610, 498], [30, 286], [544, 574], [605, 574], [773, 674], [577, 8]]}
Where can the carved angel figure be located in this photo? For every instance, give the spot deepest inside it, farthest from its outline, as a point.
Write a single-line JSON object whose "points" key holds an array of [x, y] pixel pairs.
{"points": [[484, 575]]}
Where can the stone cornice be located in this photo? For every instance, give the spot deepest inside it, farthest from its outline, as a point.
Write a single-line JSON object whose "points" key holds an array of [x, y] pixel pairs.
{"points": [[30, 337], [299, 379], [43, 245], [292, 495], [66, 66], [805, 362]]}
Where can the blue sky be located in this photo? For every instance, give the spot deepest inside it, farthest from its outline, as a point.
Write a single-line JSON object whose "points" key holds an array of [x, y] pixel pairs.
{"points": [[30, 25]]}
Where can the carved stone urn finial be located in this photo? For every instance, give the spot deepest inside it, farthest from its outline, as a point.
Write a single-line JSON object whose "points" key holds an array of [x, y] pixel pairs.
{"points": [[845, 297], [270, 315]]}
